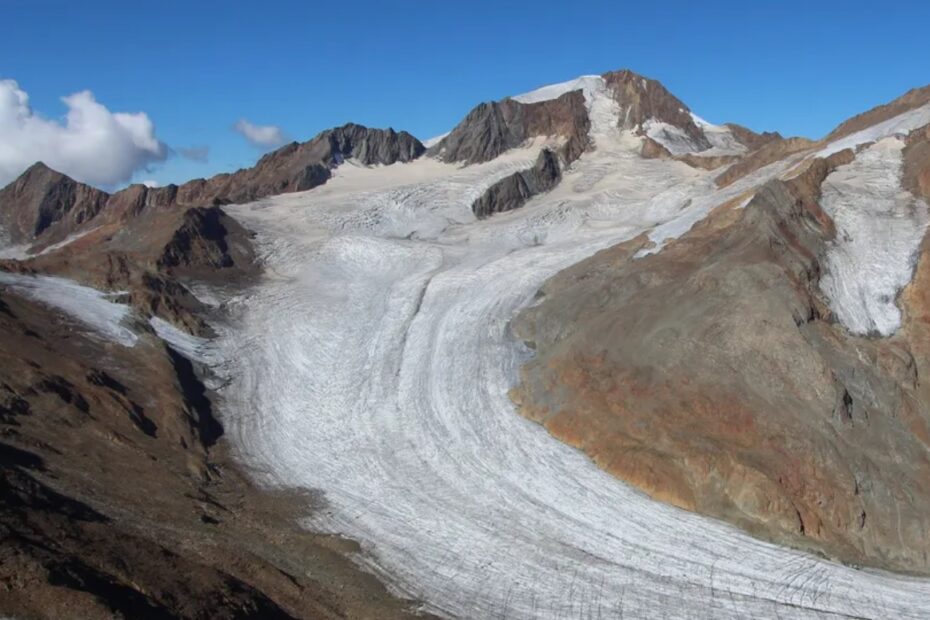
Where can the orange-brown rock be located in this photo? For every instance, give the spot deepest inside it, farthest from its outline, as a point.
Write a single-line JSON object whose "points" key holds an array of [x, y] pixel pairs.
{"points": [[916, 168], [769, 153], [910, 100], [752, 140], [642, 99]]}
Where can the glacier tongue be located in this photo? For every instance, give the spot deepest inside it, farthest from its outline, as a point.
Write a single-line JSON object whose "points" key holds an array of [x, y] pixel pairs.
{"points": [[879, 227], [373, 363]]}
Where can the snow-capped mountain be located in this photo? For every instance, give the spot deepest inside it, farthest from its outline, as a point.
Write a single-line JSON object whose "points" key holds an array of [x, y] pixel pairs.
{"points": [[585, 354]]}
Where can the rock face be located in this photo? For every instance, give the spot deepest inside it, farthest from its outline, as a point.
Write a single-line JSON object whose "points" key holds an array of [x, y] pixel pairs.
{"points": [[910, 100], [768, 153], [207, 239], [752, 140], [513, 191], [490, 129], [42, 198], [642, 99], [301, 166], [713, 376]]}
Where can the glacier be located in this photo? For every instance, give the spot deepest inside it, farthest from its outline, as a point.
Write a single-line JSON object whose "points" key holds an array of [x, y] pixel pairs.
{"points": [[373, 364]]}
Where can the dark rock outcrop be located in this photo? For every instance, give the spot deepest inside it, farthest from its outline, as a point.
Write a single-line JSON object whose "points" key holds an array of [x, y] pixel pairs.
{"points": [[42, 198], [491, 129], [208, 239], [513, 191], [371, 146]]}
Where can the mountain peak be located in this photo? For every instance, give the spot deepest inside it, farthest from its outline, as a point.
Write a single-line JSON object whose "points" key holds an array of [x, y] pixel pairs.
{"points": [[42, 196]]}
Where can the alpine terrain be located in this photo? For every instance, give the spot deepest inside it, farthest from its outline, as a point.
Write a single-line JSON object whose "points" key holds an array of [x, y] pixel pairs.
{"points": [[586, 355]]}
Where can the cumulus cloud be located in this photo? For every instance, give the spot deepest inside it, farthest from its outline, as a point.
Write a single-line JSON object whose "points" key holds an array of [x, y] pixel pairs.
{"points": [[195, 153], [151, 183], [262, 136], [91, 144]]}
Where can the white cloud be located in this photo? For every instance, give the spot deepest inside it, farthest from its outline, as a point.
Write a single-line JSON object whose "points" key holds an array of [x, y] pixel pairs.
{"points": [[151, 183], [91, 144], [263, 136]]}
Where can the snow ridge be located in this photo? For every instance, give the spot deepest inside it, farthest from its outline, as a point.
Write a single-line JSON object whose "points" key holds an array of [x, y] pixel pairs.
{"points": [[901, 124]]}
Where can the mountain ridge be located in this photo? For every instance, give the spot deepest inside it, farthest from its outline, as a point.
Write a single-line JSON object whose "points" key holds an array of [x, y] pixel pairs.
{"points": [[625, 232]]}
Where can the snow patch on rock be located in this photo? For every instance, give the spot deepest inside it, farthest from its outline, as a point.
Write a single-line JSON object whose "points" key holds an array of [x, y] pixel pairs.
{"points": [[192, 347], [87, 305], [879, 227], [721, 138], [434, 140]]}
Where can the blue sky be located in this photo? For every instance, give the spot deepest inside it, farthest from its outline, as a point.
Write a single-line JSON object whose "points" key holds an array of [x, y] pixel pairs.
{"points": [[196, 68]]}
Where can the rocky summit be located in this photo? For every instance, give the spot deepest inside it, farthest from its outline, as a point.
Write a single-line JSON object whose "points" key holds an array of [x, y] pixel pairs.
{"points": [[587, 351]]}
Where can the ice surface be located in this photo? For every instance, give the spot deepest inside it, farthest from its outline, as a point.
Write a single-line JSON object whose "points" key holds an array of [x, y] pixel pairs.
{"points": [[903, 123], [879, 227], [434, 140], [88, 305], [673, 138], [554, 91], [373, 363], [722, 140], [192, 347], [8, 249], [66, 241]]}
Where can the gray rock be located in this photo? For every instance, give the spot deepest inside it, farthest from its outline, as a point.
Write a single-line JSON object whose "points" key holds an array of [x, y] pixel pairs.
{"points": [[513, 191], [491, 129]]}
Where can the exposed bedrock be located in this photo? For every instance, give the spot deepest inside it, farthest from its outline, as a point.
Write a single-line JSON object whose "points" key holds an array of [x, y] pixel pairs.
{"points": [[513, 191], [910, 100], [42, 197], [712, 375], [642, 99], [495, 127]]}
